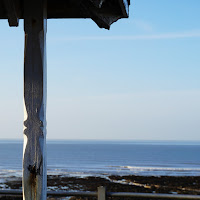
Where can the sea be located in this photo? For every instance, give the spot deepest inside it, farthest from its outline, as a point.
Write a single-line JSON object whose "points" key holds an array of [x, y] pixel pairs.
{"points": [[103, 158]]}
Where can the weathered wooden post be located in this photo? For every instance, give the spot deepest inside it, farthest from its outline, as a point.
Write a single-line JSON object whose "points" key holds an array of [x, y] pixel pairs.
{"points": [[35, 14], [35, 89], [101, 193]]}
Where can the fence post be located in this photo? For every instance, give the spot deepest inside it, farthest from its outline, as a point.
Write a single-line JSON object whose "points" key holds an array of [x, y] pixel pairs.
{"points": [[101, 193]]}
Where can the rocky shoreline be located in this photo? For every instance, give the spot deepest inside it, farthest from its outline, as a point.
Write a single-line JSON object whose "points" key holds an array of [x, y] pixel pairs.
{"points": [[131, 183]]}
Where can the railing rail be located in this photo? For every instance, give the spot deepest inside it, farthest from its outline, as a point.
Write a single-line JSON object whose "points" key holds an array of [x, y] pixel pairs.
{"points": [[101, 194]]}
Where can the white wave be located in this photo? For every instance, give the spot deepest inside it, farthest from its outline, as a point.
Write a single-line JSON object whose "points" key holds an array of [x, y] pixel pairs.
{"points": [[136, 168], [153, 171]]}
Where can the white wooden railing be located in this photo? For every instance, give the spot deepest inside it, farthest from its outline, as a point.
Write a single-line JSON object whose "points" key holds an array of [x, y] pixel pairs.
{"points": [[101, 194]]}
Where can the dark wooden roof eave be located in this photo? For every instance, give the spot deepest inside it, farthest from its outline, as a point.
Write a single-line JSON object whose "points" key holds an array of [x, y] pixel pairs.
{"points": [[103, 12]]}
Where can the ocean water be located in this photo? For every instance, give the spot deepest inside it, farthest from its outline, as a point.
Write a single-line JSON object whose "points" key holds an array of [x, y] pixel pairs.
{"points": [[83, 158]]}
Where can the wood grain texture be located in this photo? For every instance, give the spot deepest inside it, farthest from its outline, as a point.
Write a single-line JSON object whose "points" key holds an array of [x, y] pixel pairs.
{"points": [[34, 155]]}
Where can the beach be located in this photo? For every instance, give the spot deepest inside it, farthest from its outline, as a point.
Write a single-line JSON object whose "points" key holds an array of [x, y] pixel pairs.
{"points": [[113, 183]]}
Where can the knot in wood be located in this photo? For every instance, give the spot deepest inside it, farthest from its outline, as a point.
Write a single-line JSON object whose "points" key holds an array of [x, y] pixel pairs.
{"points": [[33, 170]]}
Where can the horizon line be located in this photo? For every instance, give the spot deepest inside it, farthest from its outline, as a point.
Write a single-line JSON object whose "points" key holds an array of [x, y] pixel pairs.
{"points": [[111, 140]]}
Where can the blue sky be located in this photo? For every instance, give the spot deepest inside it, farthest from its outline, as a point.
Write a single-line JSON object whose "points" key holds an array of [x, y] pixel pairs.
{"points": [[139, 80]]}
